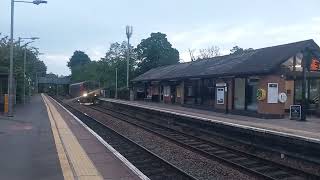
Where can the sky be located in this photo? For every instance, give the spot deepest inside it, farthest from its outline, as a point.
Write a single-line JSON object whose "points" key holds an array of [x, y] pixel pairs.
{"points": [[92, 25]]}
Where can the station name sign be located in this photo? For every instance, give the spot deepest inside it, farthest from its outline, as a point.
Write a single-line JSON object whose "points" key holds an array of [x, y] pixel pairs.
{"points": [[315, 64]]}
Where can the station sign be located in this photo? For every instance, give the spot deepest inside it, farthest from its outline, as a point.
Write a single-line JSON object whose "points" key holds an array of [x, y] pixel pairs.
{"points": [[314, 65], [295, 112]]}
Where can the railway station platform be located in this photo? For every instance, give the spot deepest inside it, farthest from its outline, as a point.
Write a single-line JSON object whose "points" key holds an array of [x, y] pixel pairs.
{"points": [[45, 141], [303, 130]]}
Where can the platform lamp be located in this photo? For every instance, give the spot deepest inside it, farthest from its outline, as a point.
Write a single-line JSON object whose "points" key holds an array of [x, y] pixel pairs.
{"points": [[10, 80]]}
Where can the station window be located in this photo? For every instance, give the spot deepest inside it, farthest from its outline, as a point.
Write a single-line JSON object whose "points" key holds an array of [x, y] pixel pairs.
{"points": [[293, 63], [208, 92], [190, 91], [166, 91], [239, 93], [251, 94], [313, 92]]}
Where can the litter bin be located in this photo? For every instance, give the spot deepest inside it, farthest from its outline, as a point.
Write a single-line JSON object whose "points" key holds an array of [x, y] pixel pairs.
{"points": [[6, 103]]}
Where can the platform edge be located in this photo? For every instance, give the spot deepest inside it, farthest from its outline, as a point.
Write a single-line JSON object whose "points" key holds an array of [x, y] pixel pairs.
{"points": [[108, 146]]}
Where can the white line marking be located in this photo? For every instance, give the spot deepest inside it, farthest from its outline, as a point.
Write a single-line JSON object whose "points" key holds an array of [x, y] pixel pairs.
{"points": [[110, 148], [310, 139]]}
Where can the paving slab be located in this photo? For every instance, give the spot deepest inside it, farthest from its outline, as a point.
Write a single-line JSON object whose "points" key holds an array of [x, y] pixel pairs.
{"points": [[104, 160], [27, 147]]}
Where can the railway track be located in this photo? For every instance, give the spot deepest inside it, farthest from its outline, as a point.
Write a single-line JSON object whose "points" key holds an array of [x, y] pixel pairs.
{"points": [[235, 158], [153, 166]]}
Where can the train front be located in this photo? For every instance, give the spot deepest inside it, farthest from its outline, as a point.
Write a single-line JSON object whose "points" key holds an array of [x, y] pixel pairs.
{"points": [[89, 98]]}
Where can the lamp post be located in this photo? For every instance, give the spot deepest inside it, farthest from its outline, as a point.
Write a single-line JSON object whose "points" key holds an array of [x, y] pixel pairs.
{"points": [[129, 34], [10, 80], [306, 67], [116, 93], [24, 65]]}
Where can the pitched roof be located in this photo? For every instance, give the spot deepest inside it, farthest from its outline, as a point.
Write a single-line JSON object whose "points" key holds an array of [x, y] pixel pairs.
{"points": [[259, 61]]}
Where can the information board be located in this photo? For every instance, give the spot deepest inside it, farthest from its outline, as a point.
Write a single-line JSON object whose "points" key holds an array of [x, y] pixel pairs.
{"points": [[273, 91], [220, 95], [295, 112]]}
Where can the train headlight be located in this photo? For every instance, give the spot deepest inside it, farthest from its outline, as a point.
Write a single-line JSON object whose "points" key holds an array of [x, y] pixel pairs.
{"points": [[85, 94]]}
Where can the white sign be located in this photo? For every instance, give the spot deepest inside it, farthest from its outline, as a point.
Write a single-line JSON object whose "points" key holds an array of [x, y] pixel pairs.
{"points": [[273, 93], [221, 84], [220, 95], [283, 97]]}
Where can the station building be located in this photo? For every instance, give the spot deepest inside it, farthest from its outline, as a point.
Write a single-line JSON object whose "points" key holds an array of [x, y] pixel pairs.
{"points": [[261, 83]]}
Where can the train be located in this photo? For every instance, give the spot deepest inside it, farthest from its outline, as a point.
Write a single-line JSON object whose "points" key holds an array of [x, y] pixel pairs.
{"points": [[86, 92]]}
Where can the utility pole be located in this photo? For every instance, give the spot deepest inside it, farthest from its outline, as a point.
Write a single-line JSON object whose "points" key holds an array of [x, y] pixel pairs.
{"points": [[116, 93], [10, 80], [129, 34], [36, 82], [24, 67], [306, 66], [24, 74], [10, 83]]}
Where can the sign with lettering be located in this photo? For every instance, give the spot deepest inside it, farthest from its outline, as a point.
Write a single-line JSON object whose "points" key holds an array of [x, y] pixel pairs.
{"points": [[295, 112], [220, 95], [315, 65], [283, 97]]}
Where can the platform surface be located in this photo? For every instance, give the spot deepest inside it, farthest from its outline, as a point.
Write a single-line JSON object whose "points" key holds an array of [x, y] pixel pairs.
{"points": [[27, 148], [88, 157], [307, 130], [43, 141]]}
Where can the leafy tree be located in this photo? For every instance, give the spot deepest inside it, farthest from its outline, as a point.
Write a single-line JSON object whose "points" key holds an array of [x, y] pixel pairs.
{"points": [[34, 66], [238, 50], [115, 58], [155, 51], [78, 58], [104, 70]]}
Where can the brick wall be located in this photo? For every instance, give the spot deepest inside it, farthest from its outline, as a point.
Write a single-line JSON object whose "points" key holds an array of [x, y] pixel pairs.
{"points": [[263, 106]]}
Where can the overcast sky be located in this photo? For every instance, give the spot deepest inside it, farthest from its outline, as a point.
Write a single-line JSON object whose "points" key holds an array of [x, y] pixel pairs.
{"points": [[91, 25]]}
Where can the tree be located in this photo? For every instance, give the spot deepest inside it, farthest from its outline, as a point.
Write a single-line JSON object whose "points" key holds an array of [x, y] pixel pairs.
{"points": [[34, 66], [76, 62], [155, 51], [115, 58], [191, 53], [78, 58], [103, 70], [209, 52], [238, 50]]}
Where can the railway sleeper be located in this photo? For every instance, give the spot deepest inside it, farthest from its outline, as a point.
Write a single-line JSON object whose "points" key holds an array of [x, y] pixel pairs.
{"points": [[229, 155], [268, 170], [155, 171], [220, 152], [238, 159], [280, 174]]}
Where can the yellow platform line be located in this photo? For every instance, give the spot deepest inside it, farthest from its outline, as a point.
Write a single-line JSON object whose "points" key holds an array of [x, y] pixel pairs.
{"points": [[74, 161]]}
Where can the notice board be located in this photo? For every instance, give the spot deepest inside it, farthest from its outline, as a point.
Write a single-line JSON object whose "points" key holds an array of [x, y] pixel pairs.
{"points": [[273, 91], [220, 95], [295, 112]]}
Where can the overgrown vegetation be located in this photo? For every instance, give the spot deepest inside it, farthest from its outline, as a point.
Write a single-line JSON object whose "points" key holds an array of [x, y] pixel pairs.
{"points": [[34, 66], [155, 51], [152, 52]]}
